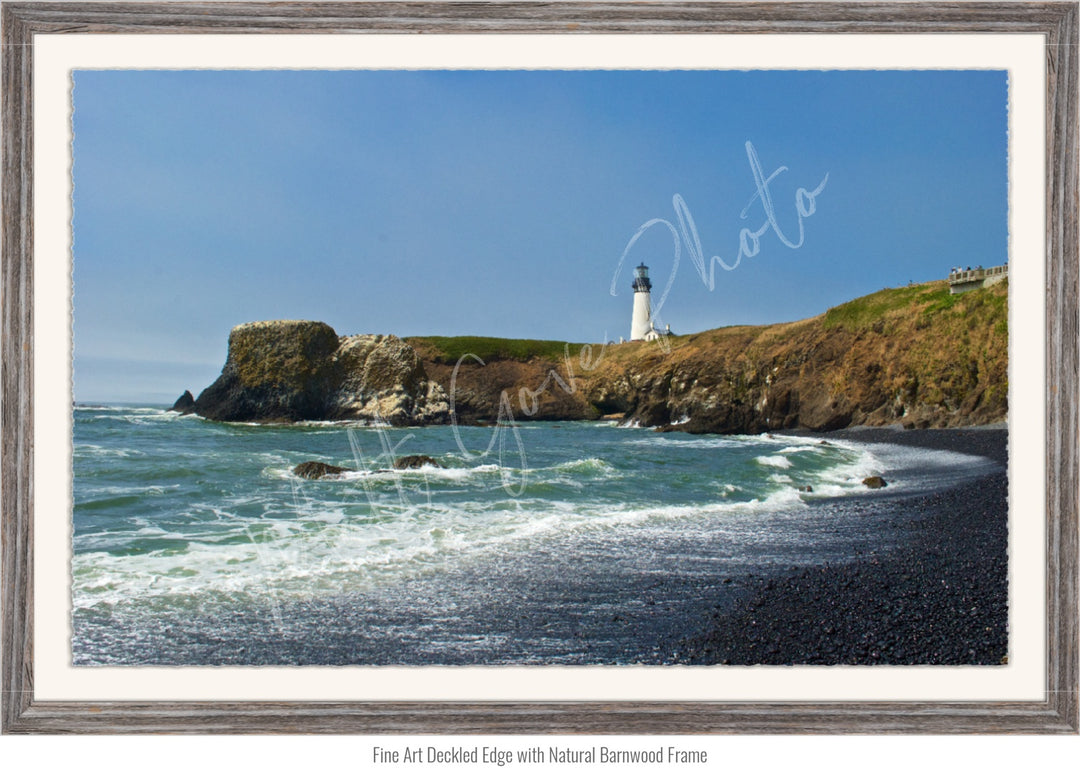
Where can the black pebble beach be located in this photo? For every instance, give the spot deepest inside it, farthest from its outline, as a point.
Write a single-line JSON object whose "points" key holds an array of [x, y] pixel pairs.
{"points": [[939, 599]]}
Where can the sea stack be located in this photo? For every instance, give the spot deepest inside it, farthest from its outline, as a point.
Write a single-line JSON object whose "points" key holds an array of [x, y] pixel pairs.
{"points": [[185, 404], [295, 370]]}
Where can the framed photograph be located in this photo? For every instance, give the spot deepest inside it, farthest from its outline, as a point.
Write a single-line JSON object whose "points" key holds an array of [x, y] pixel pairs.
{"points": [[523, 368]]}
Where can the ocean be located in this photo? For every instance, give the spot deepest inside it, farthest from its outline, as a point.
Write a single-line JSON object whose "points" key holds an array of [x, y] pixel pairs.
{"points": [[535, 543]]}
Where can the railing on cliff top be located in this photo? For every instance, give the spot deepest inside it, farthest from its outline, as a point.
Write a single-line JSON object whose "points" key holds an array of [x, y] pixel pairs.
{"points": [[978, 273], [969, 279]]}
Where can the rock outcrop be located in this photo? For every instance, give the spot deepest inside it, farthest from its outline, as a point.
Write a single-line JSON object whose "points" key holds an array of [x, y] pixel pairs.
{"points": [[314, 469], [294, 370], [511, 389], [916, 356], [416, 461], [185, 404], [381, 377]]}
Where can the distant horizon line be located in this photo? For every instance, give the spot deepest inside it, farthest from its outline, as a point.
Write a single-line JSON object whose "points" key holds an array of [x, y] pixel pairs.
{"points": [[162, 398]]}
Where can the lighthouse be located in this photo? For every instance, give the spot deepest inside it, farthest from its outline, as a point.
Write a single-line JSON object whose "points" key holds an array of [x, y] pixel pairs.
{"points": [[641, 326]]}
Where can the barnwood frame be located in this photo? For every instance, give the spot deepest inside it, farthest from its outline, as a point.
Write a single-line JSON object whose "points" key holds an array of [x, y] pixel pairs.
{"points": [[1055, 713]]}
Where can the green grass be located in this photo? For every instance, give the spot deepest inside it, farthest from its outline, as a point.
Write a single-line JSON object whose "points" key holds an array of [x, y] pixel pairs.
{"points": [[862, 312], [927, 301], [450, 349], [940, 300]]}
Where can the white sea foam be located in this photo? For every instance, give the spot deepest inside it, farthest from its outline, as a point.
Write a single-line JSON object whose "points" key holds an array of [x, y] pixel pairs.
{"points": [[118, 409], [681, 441], [278, 537], [776, 461], [425, 473], [796, 450], [290, 557], [90, 494], [586, 465], [904, 466], [97, 450], [143, 417], [284, 555]]}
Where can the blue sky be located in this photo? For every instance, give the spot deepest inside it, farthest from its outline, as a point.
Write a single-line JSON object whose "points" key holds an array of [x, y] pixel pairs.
{"points": [[499, 203]]}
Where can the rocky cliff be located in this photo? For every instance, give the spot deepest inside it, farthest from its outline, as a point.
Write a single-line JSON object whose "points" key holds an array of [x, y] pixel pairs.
{"points": [[916, 355], [291, 370]]}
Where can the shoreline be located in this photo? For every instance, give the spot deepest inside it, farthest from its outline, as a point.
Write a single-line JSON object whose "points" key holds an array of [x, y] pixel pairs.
{"points": [[941, 598], [643, 596]]}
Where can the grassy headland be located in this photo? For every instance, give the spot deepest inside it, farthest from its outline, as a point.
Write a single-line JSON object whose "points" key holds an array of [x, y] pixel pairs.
{"points": [[916, 355]]}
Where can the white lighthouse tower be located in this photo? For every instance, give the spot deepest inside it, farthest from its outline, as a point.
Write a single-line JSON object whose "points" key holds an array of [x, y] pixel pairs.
{"points": [[641, 327]]}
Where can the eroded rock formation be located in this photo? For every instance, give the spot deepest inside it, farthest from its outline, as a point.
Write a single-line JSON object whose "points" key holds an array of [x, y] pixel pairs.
{"points": [[915, 355], [294, 370]]}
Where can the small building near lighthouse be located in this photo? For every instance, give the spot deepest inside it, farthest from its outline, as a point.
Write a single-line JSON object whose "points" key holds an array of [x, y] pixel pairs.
{"points": [[641, 325]]}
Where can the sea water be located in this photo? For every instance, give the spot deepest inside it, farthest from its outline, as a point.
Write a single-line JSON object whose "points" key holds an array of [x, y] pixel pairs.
{"points": [[532, 543]]}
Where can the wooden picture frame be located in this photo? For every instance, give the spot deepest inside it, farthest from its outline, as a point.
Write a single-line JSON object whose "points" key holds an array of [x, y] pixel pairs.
{"points": [[1056, 712]]}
